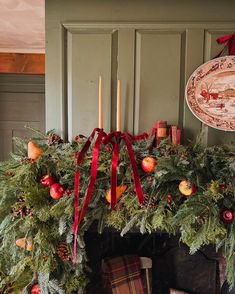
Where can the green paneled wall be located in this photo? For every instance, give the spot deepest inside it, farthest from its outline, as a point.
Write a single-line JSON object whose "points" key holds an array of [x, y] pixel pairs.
{"points": [[151, 46]]}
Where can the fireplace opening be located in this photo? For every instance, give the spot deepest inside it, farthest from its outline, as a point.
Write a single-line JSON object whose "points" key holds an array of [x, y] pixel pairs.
{"points": [[172, 265]]}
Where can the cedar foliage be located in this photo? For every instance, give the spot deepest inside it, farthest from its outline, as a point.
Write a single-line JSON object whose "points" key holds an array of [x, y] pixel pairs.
{"points": [[50, 222]]}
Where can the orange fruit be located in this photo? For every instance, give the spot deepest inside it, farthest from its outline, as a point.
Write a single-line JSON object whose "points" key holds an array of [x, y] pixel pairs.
{"points": [[119, 190]]}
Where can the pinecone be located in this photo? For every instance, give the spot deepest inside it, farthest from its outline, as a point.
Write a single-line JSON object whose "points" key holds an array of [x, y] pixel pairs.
{"points": [[201, 220], [54, 139], [22, 211], [62, 251], [149, 202]]}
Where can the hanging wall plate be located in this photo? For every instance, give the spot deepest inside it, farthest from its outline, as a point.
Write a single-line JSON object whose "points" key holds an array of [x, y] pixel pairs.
{"points": [[210, 93]]}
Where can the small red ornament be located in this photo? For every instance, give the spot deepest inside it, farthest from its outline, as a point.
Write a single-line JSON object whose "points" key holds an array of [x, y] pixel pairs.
{"points": [[35, 289], [10, 174], [222, 186], [150, 179], [56, 191], [148, 164], [47, 180], [227, 216], [67, 192]]}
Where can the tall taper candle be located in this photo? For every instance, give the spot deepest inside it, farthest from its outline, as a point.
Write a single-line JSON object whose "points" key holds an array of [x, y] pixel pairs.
{"points": [[100, 104], [118, 107]]}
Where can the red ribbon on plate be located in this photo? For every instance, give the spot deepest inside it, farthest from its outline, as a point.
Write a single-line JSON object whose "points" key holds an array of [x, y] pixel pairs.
{"points": [[228, 41]]}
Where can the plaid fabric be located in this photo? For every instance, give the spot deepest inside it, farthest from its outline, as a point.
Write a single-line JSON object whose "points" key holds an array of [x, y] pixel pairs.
{"points": [[123, 275]]}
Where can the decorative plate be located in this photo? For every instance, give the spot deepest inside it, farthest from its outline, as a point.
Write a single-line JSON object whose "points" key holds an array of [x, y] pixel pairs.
{"points": [[210, 93]]}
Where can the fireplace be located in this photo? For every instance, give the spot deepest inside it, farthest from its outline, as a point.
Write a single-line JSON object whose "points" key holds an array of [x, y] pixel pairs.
{"points": [[173, 266]]}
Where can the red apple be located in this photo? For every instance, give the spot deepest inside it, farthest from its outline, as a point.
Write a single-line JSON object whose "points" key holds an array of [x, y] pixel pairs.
{"points": [[56, 191], [186, 188], [47, 180], [148, 164], [35, 289]]}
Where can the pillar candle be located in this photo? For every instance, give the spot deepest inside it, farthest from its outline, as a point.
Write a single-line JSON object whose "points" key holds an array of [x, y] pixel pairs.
{"points": [[100, 104]]}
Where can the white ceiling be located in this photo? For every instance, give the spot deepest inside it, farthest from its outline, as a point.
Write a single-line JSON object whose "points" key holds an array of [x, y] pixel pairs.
{"points": [[22, 26]]}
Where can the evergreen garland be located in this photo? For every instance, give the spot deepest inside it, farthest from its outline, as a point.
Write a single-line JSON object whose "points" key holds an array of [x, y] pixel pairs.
{"points": [[28, 211]]}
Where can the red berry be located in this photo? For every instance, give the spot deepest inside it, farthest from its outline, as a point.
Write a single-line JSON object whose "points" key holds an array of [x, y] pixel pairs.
{"points": [[35, 289], [67, 192], [47, 180], [169, 201], [169, 196], [10, 174], [76, 138], [44, 258], [56, 191], [107, 149], [227, 216], [222, 187]]}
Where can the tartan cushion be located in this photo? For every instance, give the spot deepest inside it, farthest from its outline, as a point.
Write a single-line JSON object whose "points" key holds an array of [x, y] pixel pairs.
{"points": [[123, 275]]}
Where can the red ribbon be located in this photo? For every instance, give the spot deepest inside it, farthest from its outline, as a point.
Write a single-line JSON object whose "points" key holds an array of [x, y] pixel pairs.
{"points": [[127, 138], [228, 41], [114, 138], [114, 173], [94, 165]]}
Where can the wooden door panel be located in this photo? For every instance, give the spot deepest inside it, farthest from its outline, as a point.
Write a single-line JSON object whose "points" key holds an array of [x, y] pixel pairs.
{"points": [[11, 129], [158, 77], [21, 107], [89, 56], [153, 60], [22, 102]]}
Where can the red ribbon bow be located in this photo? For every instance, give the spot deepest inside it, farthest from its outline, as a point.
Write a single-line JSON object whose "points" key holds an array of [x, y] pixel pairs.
{"points": [[114, 138], [228, 41]]}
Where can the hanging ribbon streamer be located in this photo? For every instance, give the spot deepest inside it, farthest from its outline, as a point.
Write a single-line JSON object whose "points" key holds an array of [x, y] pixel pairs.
{"points": [[94, 169], [114, 173], [228, 41], [80, 158], [114, 138], [117, 137]]}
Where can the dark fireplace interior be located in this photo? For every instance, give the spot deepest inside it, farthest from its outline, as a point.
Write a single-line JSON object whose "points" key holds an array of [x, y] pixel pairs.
{"points": [[173, 266]]}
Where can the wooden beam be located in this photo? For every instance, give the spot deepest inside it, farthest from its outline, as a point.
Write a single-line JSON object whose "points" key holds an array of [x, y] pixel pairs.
{"points": [[26, 63]]}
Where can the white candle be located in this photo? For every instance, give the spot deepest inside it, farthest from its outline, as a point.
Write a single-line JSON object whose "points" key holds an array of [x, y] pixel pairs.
{"points": [[118, 107], [100, 104]]}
